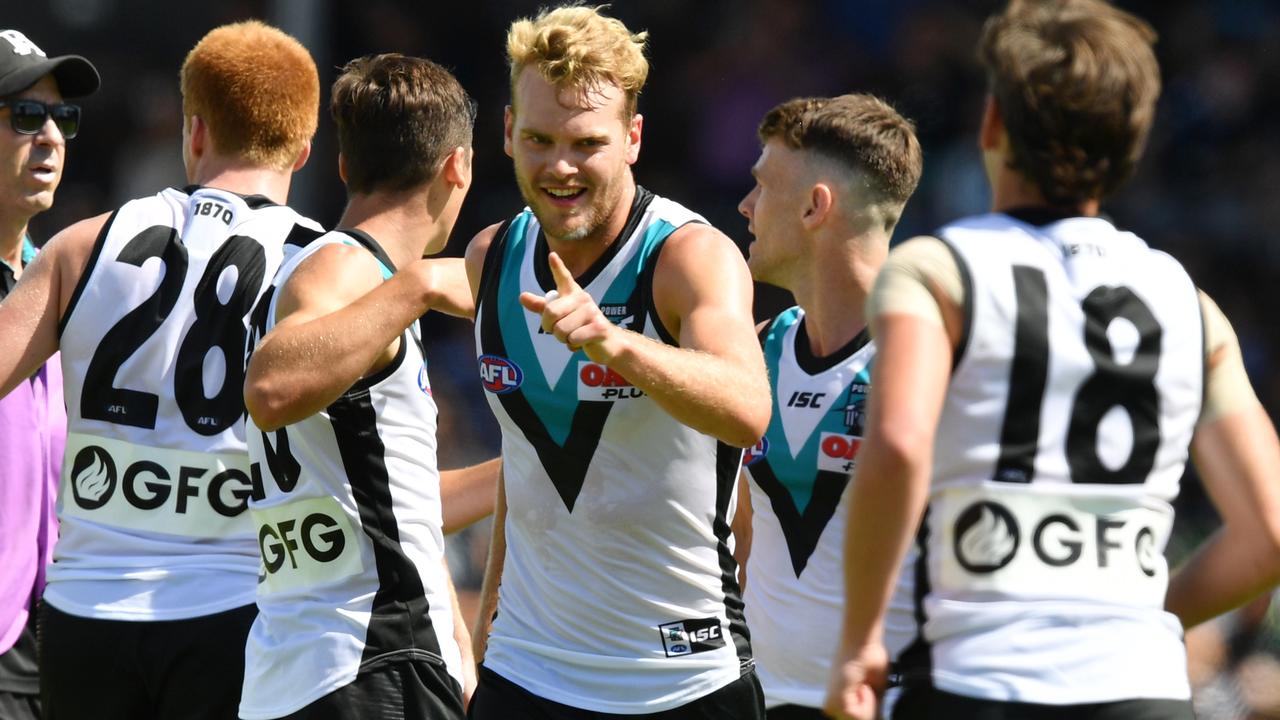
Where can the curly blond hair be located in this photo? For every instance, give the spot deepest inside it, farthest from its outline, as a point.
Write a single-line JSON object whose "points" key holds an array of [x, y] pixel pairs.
{"points": [[580, 48], [257, 89]]}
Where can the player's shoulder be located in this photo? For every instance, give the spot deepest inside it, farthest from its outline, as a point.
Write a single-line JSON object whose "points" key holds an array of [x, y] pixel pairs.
{"points": [[74, 243], [479, 245], [335, 262]]}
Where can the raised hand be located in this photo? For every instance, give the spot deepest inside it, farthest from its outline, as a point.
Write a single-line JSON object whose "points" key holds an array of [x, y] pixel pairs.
{"points": [[572, 316]]}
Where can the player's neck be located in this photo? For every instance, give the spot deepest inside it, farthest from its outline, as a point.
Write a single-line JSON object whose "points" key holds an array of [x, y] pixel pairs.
{"points": [[401, 224], [244, 179], [12, 231], [834, 292], [1011, 190]]}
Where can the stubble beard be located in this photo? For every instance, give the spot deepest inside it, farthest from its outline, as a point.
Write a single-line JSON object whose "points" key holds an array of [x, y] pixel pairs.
{"points": [[590, 219]]}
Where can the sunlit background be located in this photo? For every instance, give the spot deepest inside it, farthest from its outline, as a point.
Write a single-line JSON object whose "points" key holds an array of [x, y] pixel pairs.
{"points": [[1208, 190]]}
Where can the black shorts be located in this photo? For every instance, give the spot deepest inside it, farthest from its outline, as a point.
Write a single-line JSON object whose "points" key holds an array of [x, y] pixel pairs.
{"points": [[399, 689], [497, 698], [106, 669], [922, 703], [795, 712]]}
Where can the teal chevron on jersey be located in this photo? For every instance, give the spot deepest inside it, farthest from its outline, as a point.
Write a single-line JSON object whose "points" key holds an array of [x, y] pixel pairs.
{"points": [[554, 400], [796, 464]]}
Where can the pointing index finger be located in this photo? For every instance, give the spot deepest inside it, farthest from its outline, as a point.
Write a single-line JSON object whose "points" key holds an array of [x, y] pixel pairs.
{"points": [[565, 283]]}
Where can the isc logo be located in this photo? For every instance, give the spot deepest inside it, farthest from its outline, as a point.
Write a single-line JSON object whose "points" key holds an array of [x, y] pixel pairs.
{"points": [[499, 375], [598, 383], [687, 637], [836, 452]]}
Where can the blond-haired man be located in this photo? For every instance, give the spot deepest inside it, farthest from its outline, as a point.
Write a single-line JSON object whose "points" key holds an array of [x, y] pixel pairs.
{"points": [[151, 592], [615, 341], [1042, 378]]}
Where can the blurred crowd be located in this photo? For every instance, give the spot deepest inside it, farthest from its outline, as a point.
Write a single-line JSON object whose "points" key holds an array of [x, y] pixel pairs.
{"points": [[1208, 190]]}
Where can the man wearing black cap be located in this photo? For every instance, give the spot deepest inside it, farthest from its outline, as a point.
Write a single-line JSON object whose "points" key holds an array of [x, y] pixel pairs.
{"points": [[35, 125]]}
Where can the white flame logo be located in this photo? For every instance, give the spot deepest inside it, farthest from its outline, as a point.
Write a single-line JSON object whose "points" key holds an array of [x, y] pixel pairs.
{"points": [[93, 481], [987, 544]]}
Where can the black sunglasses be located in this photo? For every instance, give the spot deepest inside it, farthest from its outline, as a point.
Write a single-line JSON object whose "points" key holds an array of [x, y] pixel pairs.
{"points": [[27, 116]]}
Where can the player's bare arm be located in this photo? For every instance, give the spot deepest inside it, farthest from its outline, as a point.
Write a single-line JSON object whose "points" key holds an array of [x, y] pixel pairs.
{"points": [[336, 321], [467, 495], [30, 314], [449, 285], [477, 250], [715, 382], [492, 575], [463, 637], [889, 490], [740, 526], [1236, 453]]}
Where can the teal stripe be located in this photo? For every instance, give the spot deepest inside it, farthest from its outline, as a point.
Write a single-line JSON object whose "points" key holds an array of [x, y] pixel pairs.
{"points": [[798, 474]]}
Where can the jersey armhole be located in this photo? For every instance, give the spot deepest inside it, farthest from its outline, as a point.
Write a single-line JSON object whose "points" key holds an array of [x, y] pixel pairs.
{"points": [[489, 269], [966, 309], [646, 282], [94, 254]]}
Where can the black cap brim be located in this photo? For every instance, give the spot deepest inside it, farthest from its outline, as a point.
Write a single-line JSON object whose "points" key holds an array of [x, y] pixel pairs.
{"points": [[76, 76]]}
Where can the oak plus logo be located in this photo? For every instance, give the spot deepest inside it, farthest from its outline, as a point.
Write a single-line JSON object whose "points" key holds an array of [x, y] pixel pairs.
{"points": [[986, 537], [837, 452], [93, 477], [599, 383]]}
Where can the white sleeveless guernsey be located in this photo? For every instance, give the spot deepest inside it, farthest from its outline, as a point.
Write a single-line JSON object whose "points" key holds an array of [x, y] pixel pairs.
{"points": [[619, 590], [1061, 444], [156, 479], [349, 528], [799, 470]]}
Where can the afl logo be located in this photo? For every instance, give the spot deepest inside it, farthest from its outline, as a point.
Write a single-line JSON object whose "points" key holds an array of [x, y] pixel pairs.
{"points": [[499, 375], [986, 537], [93, 477], [755, 453]]}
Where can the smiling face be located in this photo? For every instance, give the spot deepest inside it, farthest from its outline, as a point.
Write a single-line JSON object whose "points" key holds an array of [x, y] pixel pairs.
{"points": [[30, 165], [572, 155], [774, 209]]}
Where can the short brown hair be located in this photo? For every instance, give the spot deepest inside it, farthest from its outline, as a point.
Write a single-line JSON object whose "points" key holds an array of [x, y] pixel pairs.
{"points": [[579, 47], [859, 131], [1076, 82], [398, 117], [258, 91]]}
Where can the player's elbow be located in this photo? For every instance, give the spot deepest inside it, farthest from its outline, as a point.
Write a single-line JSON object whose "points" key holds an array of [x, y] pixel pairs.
{"points": [[1266, 538], [748, 423], [904, 446], [266, 402]]}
